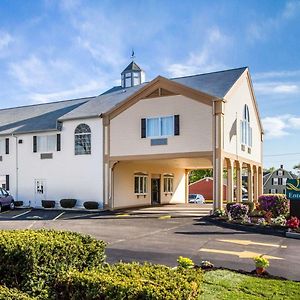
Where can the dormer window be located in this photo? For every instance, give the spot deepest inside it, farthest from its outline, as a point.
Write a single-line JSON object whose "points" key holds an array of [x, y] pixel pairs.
{"points": [[246, 130]]}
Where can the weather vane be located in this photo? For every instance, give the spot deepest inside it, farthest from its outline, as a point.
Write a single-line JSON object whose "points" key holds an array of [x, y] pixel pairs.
{"points": [[132, 55]]}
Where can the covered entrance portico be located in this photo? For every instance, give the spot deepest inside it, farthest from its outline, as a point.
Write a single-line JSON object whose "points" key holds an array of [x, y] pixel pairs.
{"points": [[151, 180]]}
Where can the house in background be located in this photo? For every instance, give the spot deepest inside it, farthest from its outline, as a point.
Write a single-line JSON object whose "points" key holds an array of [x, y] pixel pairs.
{"points": [[205, 187], [135, 144], [275, 182]]}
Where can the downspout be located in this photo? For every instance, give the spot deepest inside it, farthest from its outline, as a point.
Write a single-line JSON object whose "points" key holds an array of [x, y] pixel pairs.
{"points": [[17, 168]]}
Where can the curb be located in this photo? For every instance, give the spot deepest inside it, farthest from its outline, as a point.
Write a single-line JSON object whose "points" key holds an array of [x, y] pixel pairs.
{"points": [[293, 235]]}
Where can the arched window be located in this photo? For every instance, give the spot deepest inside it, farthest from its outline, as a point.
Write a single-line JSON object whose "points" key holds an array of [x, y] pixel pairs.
{"points": [[246, 130], [82, 139]]}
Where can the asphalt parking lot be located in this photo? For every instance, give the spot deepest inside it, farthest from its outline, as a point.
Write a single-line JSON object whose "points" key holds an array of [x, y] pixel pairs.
{"points": [[161, 237]]}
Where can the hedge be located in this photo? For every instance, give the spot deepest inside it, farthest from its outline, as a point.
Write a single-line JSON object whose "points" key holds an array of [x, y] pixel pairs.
{"points": [[91, 205], [48, 203], [130, 281], [68, 203], [31, 260], [12, 294]]}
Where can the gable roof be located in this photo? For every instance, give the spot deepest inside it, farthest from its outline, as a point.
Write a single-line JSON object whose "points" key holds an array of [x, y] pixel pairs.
{"points": [[34, 118], [44, 117], [267, 177]]}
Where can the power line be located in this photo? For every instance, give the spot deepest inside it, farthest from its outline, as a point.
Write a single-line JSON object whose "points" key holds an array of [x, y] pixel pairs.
{"points": [[282, 154]]}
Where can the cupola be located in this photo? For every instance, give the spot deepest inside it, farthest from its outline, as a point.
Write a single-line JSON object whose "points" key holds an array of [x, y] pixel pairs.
{"points": [[132, 75]]}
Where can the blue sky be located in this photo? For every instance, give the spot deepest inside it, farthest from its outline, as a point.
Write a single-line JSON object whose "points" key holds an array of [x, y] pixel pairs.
{"points": [[55, 50]]}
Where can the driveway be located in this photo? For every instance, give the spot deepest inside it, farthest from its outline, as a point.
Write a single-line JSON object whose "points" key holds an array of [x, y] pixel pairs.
{"points": [[162, 237]]}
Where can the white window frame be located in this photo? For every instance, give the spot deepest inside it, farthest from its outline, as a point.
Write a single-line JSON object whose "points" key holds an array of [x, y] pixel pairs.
{"points": [[280, 173], [47, 137], [160, 127], [168, 184], [144, 189], [275, 181], [273, 191], [2, 146], [246, 129]]}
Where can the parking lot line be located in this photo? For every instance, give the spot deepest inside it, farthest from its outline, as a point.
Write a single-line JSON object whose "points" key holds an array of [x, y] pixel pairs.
{"points": [[21, 214], [57, 217]]}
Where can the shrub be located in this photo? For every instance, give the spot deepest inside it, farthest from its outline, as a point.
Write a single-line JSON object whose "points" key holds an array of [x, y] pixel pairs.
{"points": [[12, 294], [279, 221], [277, 204], [48, 203], [91, 205], [261, 262], [30, 260], [185, 262], [228, 205], [293, 223], [68, 203], [130, 281], [18, 203], [238, 211], [250, 206]]}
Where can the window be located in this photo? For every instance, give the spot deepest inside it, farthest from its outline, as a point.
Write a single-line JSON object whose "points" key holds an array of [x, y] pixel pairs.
{"points": [[273, 191], [280, 181], [160, 127], [82, 139], [275, 181], [2, 146], [46, 143], [246, 130], [140, 183], [284, 181], [168, 183], [279, 173]]}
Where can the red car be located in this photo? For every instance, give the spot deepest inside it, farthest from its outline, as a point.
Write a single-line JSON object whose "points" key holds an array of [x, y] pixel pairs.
{"points": [[6, 200]]}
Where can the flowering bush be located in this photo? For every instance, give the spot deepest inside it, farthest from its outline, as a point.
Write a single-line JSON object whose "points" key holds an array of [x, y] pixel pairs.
{"points": [[261, 262], [185, 262], [275, 203], [279, 221], [293, 223], [261, 221], [238, 211]]}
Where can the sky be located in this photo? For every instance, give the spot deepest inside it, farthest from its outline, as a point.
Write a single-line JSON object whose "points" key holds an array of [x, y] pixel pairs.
{"points": [[54, 50]]}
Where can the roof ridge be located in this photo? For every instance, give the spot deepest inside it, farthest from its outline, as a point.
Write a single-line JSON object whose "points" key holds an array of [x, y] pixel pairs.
{"points": [[200, 74], [38, 104]]}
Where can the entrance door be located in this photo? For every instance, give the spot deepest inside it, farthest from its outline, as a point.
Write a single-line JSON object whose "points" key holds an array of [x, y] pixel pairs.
{"points": [[40, 192], [155, 191]]}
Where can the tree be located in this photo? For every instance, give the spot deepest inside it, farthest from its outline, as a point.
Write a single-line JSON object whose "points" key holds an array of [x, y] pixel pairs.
{"points": [[270, 170], [297, 169], [196, 175]]}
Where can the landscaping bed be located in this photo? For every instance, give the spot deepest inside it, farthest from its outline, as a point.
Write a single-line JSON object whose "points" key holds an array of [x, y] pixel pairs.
{"points": [[269, 216]]}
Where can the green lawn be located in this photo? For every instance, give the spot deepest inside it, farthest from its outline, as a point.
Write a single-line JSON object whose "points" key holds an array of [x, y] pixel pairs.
{"points": [[223, 284]]}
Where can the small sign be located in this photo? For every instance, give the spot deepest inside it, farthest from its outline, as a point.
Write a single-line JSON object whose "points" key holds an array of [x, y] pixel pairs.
{"points": [[293, 189]]}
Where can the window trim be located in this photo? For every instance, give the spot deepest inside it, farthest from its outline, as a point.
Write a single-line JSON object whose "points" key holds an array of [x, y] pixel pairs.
{"points": [[245, 128], [168, 181], [160, 127], [38, 143], [88, 133], [144, 178]]}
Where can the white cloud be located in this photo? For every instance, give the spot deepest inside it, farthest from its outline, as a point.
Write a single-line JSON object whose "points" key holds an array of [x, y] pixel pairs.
{"points": [[276, 74], [5, 39], [279, 126], [262, 30], [277, 88], [91, 88], [204, 60]]}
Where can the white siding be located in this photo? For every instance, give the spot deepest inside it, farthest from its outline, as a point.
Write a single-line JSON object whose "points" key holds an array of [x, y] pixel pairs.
{"points": [[67, 175]]}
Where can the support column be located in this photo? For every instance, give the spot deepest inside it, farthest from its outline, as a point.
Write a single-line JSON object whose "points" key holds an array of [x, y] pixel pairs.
{"points": [[260, 181], [255, 184], [250, 183], [218, 159], [186, 178], [230, 183], [239, 193]]}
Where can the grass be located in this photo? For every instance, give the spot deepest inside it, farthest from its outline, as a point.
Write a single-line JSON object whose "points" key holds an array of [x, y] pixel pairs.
{"points": [[223, 284]]}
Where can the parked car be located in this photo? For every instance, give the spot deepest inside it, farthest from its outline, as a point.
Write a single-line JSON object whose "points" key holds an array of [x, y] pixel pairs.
{"points": [[196, 198], [6, 200]]}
